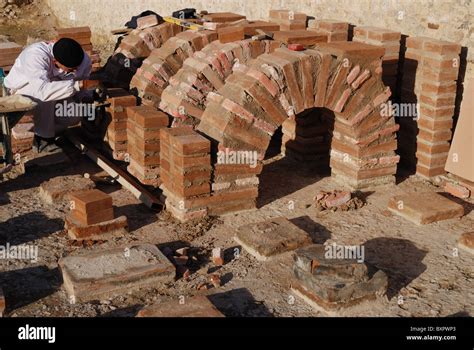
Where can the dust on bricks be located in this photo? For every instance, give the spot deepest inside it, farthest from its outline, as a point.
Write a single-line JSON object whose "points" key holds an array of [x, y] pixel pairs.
{"points": [[425, 207], [106, 273], [330, 283], [198, 306], [267, 239]]}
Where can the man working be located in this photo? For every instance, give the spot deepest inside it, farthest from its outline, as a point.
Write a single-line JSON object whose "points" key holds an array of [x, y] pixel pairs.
{"points": [[50, 73]]}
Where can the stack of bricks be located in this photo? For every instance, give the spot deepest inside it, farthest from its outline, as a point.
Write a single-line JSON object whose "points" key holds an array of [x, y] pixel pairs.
{"points": [[91, 207], [185, 172], [234, 181], [23, 134], [335, 30], [289, 20], [308, 136], [185, 98], [143, 138], [430, 74], [8, 53], [163, 63], [116, 134], [139, 43], [390, 41], [83, 36]]}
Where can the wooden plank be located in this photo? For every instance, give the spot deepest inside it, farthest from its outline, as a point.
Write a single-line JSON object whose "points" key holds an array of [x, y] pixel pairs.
{"points": [[118, 174]]}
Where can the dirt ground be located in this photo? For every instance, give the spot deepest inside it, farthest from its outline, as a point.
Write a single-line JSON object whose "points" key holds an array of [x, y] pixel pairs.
{"points": [[426, 276]]}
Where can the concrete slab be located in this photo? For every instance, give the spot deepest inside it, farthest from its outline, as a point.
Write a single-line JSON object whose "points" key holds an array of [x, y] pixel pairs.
{"points": [[466, 242], [57, 189], [267, 239], [103, 274], [198, 306], [425, 207], [101, 231]]}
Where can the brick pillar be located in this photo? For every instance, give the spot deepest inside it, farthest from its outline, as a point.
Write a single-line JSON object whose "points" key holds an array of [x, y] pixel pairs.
{"points": [[335, 30], [307, 137], [143, 137], [289, 20], [116, 135], [390, 41], [185, 172], [431, 70], [234, 181]]}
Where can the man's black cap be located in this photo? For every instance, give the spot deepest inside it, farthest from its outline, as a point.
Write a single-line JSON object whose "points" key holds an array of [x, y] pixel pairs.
{"points": [[68, 52]]}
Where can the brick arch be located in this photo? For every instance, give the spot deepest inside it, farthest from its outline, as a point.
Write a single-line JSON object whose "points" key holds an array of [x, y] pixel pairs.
{"points": [[139, 43], [165, 61], [205, 72], [345, 78]]}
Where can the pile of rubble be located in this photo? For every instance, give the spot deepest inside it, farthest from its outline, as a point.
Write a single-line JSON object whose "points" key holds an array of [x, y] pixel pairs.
{"points": [[337, 201]]}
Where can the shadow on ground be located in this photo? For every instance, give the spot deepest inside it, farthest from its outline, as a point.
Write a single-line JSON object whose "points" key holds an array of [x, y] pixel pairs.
{"points": [[26, 286], [400, 259], [239, 302], [28, 227]]}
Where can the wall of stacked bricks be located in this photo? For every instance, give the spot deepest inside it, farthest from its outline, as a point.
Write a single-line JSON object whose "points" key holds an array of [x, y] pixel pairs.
{"points": [[143, 143], [431, 71], [449, 20], [116, 132]]}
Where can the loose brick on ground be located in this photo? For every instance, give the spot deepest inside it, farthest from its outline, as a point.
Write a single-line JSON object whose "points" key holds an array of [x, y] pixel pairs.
{"points": [[265, 240], [197, 306], [425, 207]]}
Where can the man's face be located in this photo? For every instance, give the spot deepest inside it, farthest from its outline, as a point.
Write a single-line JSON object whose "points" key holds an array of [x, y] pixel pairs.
{"points": [[64, 68]]}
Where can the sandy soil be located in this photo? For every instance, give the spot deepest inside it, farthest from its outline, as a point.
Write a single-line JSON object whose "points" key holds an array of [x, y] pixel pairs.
{"points": [[426, 277]]}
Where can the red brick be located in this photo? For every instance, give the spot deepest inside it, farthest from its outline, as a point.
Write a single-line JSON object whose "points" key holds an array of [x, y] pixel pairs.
{"points": [[148, 117], [304, 37], [92, 218], [230, 34], [457, 190], [147, 21], [90, 201]]}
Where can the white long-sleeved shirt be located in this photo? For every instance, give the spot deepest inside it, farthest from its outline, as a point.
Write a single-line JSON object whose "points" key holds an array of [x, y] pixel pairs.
{"points": [[34, 74]]}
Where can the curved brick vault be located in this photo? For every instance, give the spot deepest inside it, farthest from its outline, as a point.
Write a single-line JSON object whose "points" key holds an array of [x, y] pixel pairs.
{"points": [[265, 93], [342, 77]]}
